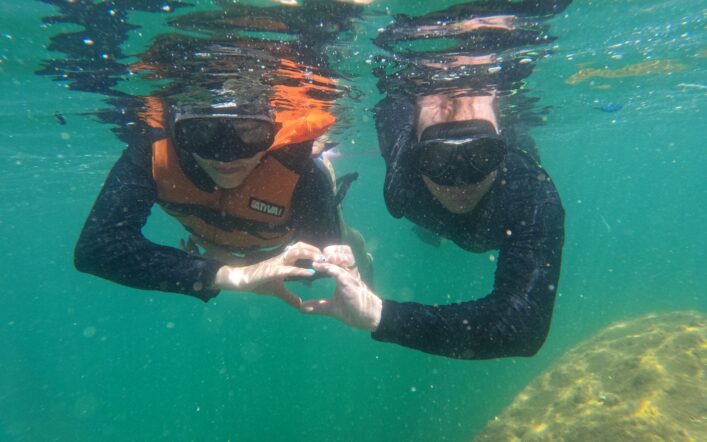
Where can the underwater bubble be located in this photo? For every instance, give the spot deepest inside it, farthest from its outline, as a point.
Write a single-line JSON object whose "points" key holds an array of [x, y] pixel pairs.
{"points": [[89, 331]]}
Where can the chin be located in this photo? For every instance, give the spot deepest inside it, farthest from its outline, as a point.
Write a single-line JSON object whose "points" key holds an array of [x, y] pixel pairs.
{"points": [[228, 184], [459, 209], [228, 181]]}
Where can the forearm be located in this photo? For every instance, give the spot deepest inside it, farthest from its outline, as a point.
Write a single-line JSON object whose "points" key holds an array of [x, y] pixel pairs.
{"points": [[129, 259], [111, 244], [511, 321], [492, 327]]}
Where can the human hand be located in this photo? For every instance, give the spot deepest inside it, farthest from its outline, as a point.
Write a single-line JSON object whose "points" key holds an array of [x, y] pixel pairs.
{"points": [[268, 277], [504, 22], [353, 302]]}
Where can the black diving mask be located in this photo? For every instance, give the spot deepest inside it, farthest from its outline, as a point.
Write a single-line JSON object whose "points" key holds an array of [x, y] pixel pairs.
{"points": [[223, 137], [463, 159]]}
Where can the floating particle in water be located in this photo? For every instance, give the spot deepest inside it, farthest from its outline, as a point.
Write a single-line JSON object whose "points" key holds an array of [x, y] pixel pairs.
{"points": [[59, 118], [88, 41], [610, 107], [89, 331], [692, 86]]}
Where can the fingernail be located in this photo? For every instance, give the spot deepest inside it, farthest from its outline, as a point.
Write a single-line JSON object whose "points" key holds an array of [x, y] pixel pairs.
{"points": [[311, 271], [321, 258]]}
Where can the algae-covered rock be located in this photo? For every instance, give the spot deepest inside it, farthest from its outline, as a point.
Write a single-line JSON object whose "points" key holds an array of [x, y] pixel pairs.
{"points": [[637, 380]]}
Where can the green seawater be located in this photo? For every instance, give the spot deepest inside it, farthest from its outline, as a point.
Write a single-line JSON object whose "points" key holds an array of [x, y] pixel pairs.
{"points": [[83, 359]]}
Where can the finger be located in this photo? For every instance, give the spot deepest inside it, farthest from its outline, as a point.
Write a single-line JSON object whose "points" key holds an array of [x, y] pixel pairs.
{"points": [[338, 270], [301, 252], [289, 297], [341, 255], [290, 271], [302, 244], [305, 246], [316, 307], [336, 249], [331, 270], [263, 273]]}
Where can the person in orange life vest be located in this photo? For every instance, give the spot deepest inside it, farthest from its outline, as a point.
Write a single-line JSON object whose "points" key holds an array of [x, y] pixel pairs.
{"points": [[243, 185]]}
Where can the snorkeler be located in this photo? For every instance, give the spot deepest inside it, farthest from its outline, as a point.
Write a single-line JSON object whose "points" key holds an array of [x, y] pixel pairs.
{"points": [[453, 171], [216, 171], [228, 149]]}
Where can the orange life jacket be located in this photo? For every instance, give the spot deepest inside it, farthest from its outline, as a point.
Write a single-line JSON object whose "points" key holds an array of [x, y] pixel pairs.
{"points": [[255, 215]]}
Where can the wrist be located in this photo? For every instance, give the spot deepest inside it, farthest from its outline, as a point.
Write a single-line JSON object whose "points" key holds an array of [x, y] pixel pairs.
{"points": [[376, 312], [228, 278]]}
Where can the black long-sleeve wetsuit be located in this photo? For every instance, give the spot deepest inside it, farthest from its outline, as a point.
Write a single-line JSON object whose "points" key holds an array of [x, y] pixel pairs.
{"points": [[522, 217], [112, 246]]}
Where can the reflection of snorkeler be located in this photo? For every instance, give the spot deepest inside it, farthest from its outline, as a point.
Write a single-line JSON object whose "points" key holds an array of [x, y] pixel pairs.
{"points": [[239, 177], [451, 170]]}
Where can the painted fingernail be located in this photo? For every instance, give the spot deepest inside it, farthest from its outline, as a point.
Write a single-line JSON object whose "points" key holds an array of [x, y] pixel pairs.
{"points": [[311, 271]]}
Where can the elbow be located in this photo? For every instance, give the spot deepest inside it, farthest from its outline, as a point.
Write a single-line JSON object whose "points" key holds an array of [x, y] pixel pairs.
{"points": [[521, 342], [530, 347], [528, 341], [81, 261], [84, 257]]}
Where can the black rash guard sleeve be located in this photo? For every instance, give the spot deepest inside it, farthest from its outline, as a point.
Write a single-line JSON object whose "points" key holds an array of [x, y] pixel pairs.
{"points": [[514, 319], [315, 214], [111, 244]]}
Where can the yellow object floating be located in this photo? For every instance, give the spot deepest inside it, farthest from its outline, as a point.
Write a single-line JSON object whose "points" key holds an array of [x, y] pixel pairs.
{"points": [[632, 70]]}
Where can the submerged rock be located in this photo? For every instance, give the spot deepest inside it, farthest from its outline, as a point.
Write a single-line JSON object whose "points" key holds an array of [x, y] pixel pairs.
{"points": [[637, 380]]}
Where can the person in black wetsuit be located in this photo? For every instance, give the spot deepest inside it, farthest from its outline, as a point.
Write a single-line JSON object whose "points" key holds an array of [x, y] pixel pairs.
{"points": [[453, 171], [229, 149]]}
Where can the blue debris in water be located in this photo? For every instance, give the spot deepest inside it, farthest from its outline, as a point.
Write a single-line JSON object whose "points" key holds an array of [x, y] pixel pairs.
{"points": [[610, 107], [59, 118]]}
